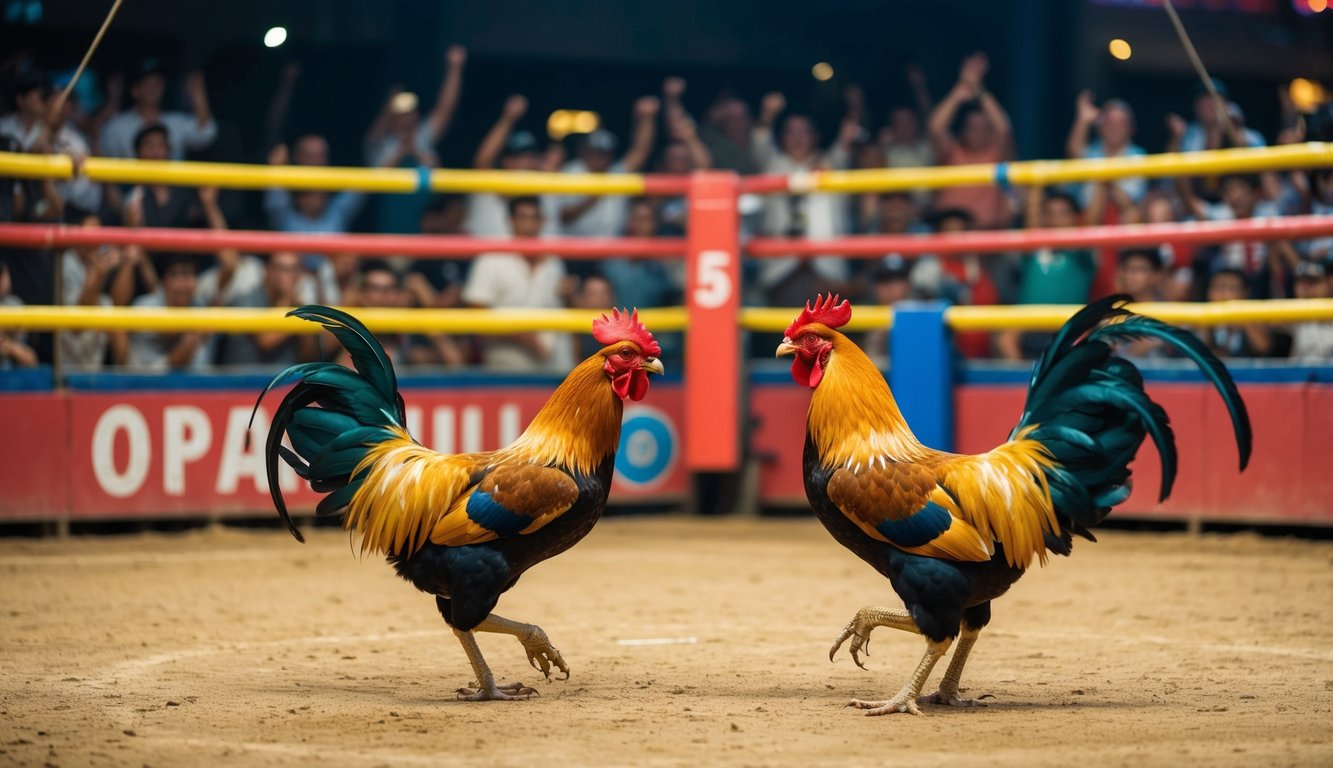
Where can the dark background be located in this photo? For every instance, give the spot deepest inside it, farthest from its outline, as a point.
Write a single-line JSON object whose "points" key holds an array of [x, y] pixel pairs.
{"points": [[596, 54]]}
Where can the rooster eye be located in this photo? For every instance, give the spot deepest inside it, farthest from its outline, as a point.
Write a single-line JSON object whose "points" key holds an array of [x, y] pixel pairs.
{"points": [[627, 353]]}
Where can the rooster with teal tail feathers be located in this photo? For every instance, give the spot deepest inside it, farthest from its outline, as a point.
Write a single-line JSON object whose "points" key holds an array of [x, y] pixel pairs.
{"points": [[461, 527], [953, 532]]}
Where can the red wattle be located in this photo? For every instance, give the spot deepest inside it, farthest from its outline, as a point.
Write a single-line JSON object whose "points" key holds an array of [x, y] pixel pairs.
{"points": [[806, 373], [638, 385]]}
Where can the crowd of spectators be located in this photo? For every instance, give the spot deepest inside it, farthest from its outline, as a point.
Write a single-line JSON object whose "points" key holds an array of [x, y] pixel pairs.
{"points": [[967, 125]]}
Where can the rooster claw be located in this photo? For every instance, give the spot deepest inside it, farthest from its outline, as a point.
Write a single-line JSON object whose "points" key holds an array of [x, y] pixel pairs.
{"points": [[542, 656], [860, 644], [509, 692]]}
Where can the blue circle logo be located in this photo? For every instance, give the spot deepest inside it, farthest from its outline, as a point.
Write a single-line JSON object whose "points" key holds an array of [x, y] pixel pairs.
{"points": [[647, 449]]}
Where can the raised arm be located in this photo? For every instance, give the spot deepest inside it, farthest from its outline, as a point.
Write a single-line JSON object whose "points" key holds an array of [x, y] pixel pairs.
{"points": [[916, 79], [447, 102], [200, 133], [762, 146], [937, 126], [380, 126], [488, 152], [275, 121], [1004, 131], [645, 132], [1085, 115], [1193, 206], [683, 130]]}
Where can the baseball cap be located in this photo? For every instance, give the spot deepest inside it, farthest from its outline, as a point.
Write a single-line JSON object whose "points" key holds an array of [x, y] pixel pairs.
{"points": [[600, 140], [520, 142]]}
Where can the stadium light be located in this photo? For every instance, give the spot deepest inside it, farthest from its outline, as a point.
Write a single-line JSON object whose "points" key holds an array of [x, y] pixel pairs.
{"points": [[1120, 49], [275, 37], [822, 71], [1307, 95]]}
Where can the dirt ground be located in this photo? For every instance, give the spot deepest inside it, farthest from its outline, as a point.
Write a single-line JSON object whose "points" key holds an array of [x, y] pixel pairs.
{"points": [[231, 647]]}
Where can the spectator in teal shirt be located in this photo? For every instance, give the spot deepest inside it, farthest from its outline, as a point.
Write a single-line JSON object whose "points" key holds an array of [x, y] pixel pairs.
{"points": [[1049, 275]]}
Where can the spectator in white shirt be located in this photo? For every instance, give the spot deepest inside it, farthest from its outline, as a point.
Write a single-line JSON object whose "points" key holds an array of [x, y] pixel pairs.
{"points": [[605, 215], [193, 131], [1313, 341], [515, 150], [159, 352], [511, 281], [815, 216], [85, 272]]}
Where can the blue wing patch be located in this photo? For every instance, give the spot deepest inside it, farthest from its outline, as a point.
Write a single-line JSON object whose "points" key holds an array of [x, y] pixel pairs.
{"points": [[484, 510], [919, 528]]}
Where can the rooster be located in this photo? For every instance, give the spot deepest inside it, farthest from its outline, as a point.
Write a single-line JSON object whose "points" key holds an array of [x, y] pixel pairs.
{"points": [[460, 527], [953, 532]]}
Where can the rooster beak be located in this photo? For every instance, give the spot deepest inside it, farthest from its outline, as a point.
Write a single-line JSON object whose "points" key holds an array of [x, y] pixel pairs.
{"points": [[652, 365], [786, 348]]}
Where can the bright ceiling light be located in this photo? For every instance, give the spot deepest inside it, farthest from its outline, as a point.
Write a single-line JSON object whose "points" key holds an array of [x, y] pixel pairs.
{"points": [[822, 71], [1120, 49], [1307, 95], [275, 37]]}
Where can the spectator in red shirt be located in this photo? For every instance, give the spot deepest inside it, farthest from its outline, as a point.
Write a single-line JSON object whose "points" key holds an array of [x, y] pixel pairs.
{"points": [[985, 137]]}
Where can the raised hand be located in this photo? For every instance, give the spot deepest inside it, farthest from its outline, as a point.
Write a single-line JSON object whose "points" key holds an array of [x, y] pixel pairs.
{"points": [[772, 106], [1085, 109], [673, 87], [646, 107], [515, 106], [456, 56]]}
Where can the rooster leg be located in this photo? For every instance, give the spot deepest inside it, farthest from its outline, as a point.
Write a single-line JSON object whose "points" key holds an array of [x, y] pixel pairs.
{"points": [[866, 620], [948, 692], [541, 654], [905, 701], [486, 689]]}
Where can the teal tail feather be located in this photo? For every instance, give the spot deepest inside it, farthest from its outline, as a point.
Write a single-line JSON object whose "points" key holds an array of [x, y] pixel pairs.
{"points": [[1091, 412], [333, 414]]}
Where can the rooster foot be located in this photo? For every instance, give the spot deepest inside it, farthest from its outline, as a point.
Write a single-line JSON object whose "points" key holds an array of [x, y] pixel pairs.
{"points": [[542, 655], [893, 706], [508, 692], [951, 699]]}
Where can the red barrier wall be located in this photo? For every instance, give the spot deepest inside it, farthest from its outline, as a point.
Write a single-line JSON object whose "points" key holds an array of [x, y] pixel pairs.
{"points": [[1289, 480], [160, 454]]}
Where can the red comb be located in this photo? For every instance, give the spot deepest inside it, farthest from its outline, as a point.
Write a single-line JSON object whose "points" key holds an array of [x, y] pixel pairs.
{"points": [[826, 311], [625, 327]]}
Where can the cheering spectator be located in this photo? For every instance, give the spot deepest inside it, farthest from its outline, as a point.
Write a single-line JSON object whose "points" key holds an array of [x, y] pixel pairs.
{"points": [[1049, 275], [904, 145], [511, 280], [684, 153], [1312, 341], [1251, 340], [399, 137], [1268, 266], [516, 150], [436, 282], [958, 278], [1209, 129], [1115, 138], [889, 284], [727, 133], [188, 350], [282, 274], [380, 286], [816, 216], [1139, 274], [26, 123], [194, 131], [985, 137], [605, 215], [84, 274], [641, 282]]}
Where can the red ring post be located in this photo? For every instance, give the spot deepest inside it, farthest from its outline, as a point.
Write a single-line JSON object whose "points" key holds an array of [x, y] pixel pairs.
{"points": [[713, 346]]}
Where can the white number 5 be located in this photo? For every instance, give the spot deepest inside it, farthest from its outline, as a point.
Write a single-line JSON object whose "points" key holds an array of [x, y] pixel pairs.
{"points": [[712, 286]]}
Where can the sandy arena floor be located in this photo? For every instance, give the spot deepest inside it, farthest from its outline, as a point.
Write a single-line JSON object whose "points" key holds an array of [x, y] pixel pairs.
{"points": [[245, 648]]}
